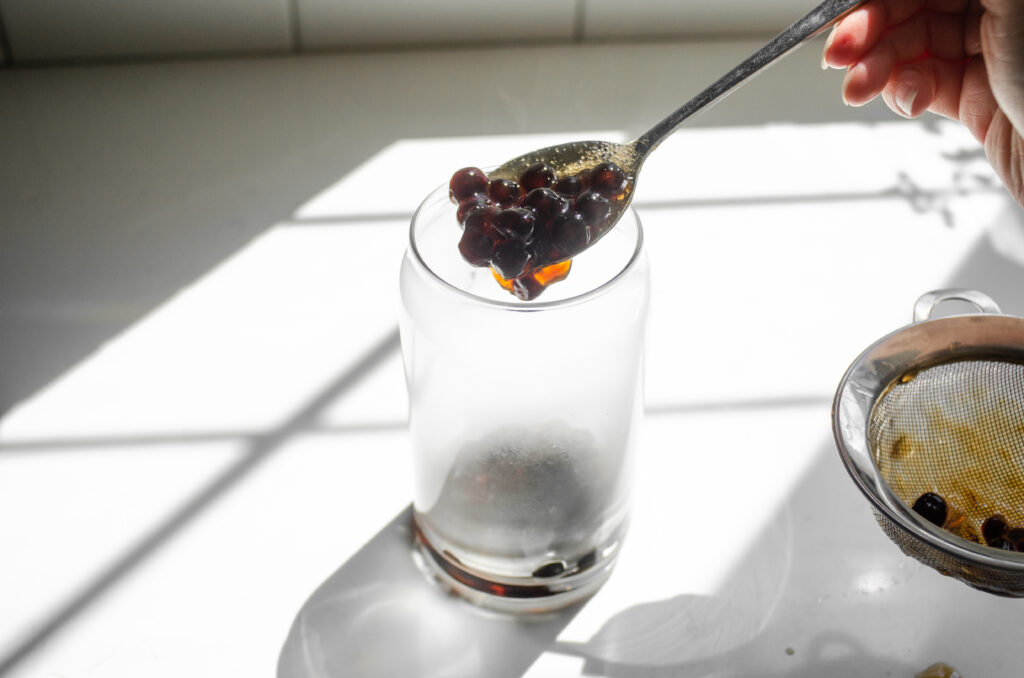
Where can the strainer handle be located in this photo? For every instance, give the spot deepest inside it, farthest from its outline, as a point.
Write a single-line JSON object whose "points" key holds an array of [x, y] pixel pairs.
{"points": [[927, 302]]}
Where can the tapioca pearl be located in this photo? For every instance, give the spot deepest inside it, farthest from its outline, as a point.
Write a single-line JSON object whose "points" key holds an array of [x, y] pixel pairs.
{"points": [[593, 207], [515, 222], [994, 528], [569, 186], [473, 202], [504, 192], [510, 258], [546, 203], [932, 508], [570, 233], [465, 182], [538, 175], [476, 247], [609, 180]]}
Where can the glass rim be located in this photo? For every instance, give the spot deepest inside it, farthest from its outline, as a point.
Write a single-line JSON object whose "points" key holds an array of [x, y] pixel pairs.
{"points": [[583, 297]]}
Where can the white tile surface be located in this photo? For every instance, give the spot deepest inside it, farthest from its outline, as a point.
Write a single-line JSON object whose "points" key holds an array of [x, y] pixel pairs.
{"points": [[339, 23], [619, 18], [220, 598], [66, 29], [740, 239], [91, 506]]}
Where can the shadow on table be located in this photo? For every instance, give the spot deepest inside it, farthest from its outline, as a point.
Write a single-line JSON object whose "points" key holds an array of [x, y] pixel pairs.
{"points": [[995, 265], [775, 615], [829, 656], [848, 604], [379, 615]]}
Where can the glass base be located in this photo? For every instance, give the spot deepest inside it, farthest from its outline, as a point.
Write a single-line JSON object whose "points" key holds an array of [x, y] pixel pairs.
{"points": [[518, 595]]}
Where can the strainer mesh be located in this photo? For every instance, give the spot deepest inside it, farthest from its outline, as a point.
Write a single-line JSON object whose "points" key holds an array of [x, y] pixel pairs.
{"points": [[956, 429]]}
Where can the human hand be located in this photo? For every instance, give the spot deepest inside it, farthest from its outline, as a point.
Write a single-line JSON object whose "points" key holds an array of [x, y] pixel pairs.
{"points": [[963, 59]]}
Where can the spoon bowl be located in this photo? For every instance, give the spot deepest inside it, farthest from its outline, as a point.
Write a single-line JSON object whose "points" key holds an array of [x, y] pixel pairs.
{"points": [[572, 158]]}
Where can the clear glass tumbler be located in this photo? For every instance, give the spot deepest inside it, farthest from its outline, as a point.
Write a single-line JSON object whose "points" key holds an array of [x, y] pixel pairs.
{"points": [[523, 415]]}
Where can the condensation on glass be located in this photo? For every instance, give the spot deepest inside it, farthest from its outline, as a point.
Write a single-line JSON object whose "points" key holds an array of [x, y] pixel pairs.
{"points": [[523, 415]]}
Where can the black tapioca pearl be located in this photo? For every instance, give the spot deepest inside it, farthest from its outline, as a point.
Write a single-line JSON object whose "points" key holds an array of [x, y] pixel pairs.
{"points": [[541, 247], [993, 528], [510, 258], [569, 186], [482, 219], [504, 192], [932, 508], [546, 203], [466, 182], [587, 560], [476, 247], [1016, 535], [593, 207], [515, 222], [570, 233], [473, 202], [609, 180], [551, 569], [538, 175], [1002, 543]]}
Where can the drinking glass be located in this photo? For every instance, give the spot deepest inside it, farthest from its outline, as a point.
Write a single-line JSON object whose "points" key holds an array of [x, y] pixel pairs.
{"points": [[523, 415]]}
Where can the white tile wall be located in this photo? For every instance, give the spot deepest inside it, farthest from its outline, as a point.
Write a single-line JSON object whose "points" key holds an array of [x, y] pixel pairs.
{"points": [[40, 30], [628, 18], [330, 23], [70, 29]]}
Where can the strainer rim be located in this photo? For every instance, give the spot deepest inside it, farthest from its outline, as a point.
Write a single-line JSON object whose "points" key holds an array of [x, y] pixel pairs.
{"points": [[874, 487]]}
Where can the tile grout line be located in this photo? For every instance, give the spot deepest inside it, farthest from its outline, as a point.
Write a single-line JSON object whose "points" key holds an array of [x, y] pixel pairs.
{"points": [[5, 43], [294, 27], [578, 20]]}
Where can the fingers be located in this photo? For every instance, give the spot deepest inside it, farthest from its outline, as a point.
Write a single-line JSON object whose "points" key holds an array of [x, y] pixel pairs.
{"points": [[948, 34], [928, 84], [855, 34], [862, 28], [976, 103], [869, 74], [875, 21], [972, 34], [926, 35], [912, 89], [1002, 35], [866, 78]]}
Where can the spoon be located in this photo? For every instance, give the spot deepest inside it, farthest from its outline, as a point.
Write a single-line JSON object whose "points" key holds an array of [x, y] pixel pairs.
{"points": [[571, 158]]}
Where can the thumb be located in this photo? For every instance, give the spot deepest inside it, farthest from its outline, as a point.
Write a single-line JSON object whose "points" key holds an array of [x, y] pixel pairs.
{"points": [[1002, 45]]}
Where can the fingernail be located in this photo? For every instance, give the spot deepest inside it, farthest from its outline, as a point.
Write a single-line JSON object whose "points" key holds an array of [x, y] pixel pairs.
{"points": [[850, 73], [831, 36], [828, 43], [904, 98]]}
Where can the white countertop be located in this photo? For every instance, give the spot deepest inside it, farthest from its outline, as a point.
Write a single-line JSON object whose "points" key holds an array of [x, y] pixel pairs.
{"points": [[203, 460]]}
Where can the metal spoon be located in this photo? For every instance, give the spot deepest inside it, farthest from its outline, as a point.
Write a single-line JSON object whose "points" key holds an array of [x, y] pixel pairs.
{"points": [[571, 158]]}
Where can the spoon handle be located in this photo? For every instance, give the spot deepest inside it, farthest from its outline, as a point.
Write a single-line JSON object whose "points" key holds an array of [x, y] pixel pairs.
{"points": [[817, 20]]}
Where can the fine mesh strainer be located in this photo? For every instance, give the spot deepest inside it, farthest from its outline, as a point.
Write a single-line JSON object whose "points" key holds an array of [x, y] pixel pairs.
{"points": [[938, 407]]}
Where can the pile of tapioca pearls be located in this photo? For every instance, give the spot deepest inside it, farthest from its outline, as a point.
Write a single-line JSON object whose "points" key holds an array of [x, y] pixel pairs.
{"points": [[995, 530], [517, 227]]}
